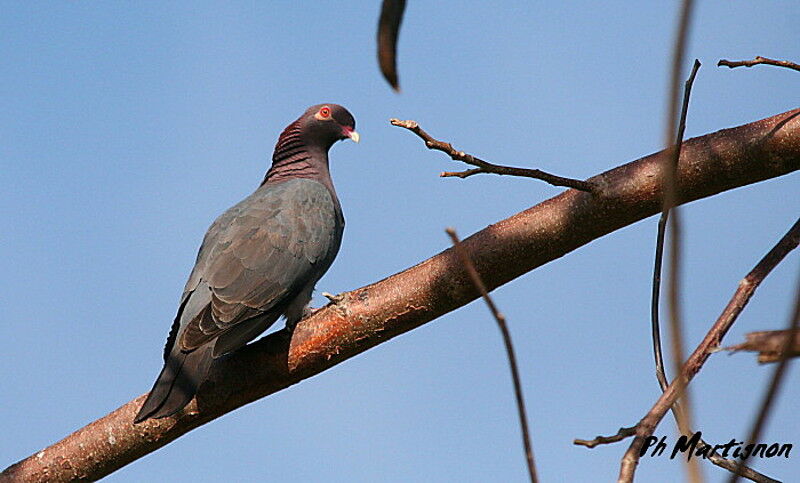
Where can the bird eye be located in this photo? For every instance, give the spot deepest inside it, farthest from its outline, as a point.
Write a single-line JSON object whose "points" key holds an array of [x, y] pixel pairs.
{"points": [[325, 112]]}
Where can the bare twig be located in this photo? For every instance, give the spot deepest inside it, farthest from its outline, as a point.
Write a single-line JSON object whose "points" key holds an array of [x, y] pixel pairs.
{"points": [[740, 298], [655, 325], [777, 377], [512, 359], [374, 314], [670, 200], [485, 166], [658, 355], [743, 471], [662, 224], [598, 440], [758, 61], [769, 344], [682, 412], [718, 460]]}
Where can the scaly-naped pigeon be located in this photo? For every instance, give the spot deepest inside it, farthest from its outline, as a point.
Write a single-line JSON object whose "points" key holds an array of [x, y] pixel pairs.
{"points": [[259, 260]]}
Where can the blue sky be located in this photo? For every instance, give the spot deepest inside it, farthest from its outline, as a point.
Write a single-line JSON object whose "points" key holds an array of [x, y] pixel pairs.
{"points": [[127, 128]]}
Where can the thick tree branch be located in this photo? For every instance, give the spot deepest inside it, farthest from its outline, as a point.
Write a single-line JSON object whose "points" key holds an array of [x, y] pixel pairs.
{"points": [[373, 314]]}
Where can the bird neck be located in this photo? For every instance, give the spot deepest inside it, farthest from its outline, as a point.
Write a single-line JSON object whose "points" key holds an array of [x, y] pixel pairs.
{"points": [[300, 161], [293, 158]]}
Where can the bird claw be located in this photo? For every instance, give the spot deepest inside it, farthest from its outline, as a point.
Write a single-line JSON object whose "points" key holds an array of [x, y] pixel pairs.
{"points": [[335, 299], [308, 311]]}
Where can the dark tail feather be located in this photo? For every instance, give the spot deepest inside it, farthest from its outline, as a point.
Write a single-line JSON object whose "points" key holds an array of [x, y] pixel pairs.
{"points": [[177, 384]]}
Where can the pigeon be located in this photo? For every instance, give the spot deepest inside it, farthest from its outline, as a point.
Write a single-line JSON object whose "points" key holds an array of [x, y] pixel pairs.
{"points": [[259, 260]]}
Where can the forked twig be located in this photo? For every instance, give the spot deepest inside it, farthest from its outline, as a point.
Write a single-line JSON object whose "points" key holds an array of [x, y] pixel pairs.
{"points": [[598, 440], [485, 166], [512, 359]]}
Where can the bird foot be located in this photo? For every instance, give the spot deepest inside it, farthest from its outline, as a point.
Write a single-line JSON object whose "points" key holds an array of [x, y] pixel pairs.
{"points": [[308, 311]]}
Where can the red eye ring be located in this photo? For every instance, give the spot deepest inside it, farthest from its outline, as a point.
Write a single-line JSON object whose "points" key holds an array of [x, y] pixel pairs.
{"points": [[325, 112]]}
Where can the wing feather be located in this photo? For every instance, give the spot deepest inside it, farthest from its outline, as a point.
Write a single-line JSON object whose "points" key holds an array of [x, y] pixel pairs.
{"points": [[258, 255]]}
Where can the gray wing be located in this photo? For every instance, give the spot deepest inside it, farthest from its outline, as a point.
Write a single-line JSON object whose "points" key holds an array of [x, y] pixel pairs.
{"points": [[255, 258]]}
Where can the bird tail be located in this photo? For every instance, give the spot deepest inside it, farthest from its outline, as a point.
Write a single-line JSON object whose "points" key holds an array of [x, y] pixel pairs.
{"points": [[177, 384]]}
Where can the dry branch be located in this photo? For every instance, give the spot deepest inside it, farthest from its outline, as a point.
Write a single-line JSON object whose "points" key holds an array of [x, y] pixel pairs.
{"points": [[485, 166], [768, 344], [758, 61], [512, 359], [371, 315], [600, 439]]}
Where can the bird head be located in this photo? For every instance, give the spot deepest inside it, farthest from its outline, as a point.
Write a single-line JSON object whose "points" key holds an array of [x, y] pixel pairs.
{"points": [[327, 123]]}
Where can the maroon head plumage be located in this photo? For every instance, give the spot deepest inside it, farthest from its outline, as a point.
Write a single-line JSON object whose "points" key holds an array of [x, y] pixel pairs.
{"points": [[302, 148]]}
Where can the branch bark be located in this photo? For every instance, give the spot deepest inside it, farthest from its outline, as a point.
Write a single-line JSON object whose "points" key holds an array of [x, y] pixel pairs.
{"points": [[373, 314]]}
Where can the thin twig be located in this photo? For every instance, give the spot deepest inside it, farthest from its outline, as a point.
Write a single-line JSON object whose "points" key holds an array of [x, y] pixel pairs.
{"points": [[777, 378], [758, 61], [738, 301], [662, 224], [485, 166], [718, 460], [790, 337], [744, 471], [681, 412], [598, 440], [670, 199], [655, 325], [512, 360], [656, 332]]}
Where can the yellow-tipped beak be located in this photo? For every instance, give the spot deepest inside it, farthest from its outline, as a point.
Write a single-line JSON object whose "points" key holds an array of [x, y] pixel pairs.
{"points": [[354, 136]]}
